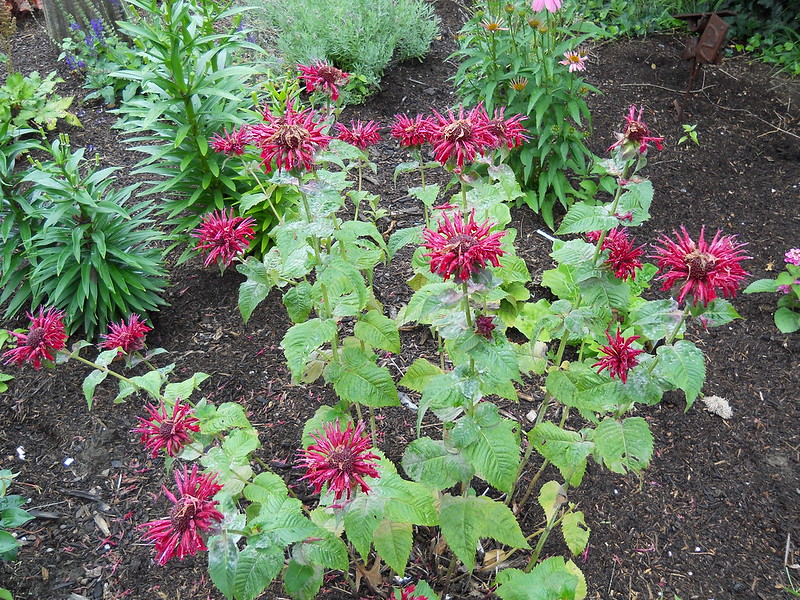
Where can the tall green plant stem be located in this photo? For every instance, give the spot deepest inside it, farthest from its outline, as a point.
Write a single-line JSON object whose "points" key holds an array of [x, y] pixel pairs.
{"points": [[612, 211], [544, 465], [554, 521]]}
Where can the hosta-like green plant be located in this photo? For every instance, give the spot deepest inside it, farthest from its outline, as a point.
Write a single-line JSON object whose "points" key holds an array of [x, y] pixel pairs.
{"points": [[86, 249], [193, 88], [513, 57]]}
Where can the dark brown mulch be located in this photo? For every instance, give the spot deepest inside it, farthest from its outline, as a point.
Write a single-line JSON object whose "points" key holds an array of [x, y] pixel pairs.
{"points": [[709, 519]]}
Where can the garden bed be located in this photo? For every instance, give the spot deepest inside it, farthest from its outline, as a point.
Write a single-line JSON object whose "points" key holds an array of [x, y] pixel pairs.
{"points": [[711, 516]]}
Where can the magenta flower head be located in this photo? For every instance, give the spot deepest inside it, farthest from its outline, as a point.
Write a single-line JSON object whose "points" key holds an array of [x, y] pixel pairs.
{"points": [[408, 593], [127, 336], [412, 132], [170, 432], [290, 140], [551, 5], [192, 514], [460, 248], [484, 326], [793, 257], [223, 236], [623, 255], [575, 60], [359, 134], [506, 132], [700, 269], [636, 137], [324, 77], [232, 143], [45, 336], [618, 357], [339, 459], [459, 138]]}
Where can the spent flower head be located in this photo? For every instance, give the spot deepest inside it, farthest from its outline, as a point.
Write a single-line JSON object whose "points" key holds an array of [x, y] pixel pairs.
{"points": [[127, 336], [618, 356], [291, 140], [412, 132], [322, 76], [339, 459], [45, 336], [506, 132], [636, 137], [700, 269], [460, 247], [484, 326], [232, 143], [223, 236], [461, 137], [359, 134], [168, 431], [191, 515]]}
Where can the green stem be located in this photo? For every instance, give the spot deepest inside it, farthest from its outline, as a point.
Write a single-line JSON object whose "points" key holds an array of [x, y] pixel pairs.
{"points": [[554, 520], [612, 211]]}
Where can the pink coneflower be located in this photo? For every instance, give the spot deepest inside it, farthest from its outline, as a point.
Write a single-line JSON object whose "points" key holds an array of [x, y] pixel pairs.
{"points": [[461, 137], [231, 143], [223, 236], [339, 459], [575, 60], [551, 5], [412, 132], [291, 140], [45, 336], [322, 76], [793, 257], [636, 134], [359, 134], [506, 132], [461, 248], [127, 336], [162, 430], [623, 255], [484, 326], [619, 356], [700, 269], [192, 514]]}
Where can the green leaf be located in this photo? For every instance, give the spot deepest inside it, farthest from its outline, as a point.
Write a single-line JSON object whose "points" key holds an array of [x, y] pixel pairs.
{"points": [[343, 286], [465, 520], [551, 497], [223, 556], [328, 551], [582, 218], [549, 580], [8, 543], [265, 486], [495, 453], [623, 446], [324, 414], [227, 416], [419, 375], [656, 319], [356, 378], [761, 285], [575, 531], [182, 390], [787, 320], [430, 462], [360, 521], [401, 238], [393, 544], [304, 338], [299, 302], [719, 312], [684, 366], [90, 383], [567, 450], [281, 522], [379, 331], [255, 570], [240, 443], [302, 581]]}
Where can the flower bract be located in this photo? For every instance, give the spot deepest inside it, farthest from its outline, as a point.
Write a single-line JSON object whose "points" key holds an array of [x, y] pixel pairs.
{"points": [[359, 134], [127, 336], [168, 431], [324, 77], [223, 236], [459, 248], [192, 514], [700, 269], [45, 336], [618, 357], [339, 459]]}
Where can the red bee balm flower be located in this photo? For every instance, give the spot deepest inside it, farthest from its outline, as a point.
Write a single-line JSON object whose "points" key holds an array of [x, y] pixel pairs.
{"points": [[461, 248], [45, 336], [339, 459], [359, 134], [193, 513], [162, 430], [291, 140], [507, 132], [223, 236], [322, 76], [128, 336], [461, 138], [412, 132], [484, 325], [619, 356], [230, 143], [623, 256], [408, 593], [700, 268], [636, 134]]}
